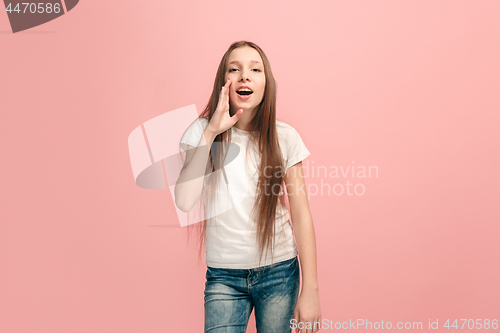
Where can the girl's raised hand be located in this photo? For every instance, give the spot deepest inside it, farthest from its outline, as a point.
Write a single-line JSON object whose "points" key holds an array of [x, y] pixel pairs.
{"points": [[221, 120]]}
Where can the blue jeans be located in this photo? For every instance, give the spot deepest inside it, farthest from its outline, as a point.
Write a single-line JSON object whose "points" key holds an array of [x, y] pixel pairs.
{"points": [[231, 294]]}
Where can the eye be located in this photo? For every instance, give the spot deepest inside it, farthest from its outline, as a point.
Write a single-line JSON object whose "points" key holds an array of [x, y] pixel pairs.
{"points": [[234, 69]]}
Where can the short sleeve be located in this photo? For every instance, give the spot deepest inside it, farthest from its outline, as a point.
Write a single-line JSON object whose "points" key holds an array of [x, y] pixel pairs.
{"points": [[297, 150], [193, 133]]}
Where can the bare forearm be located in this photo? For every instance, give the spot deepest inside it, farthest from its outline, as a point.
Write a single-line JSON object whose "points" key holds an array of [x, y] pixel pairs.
{"points": [[190, 183], [306, 246]]}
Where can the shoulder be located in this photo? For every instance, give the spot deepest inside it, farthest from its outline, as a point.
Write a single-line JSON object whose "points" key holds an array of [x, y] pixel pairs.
{"points": [[193, 133], [291, 143], [201, 121], [288, 135], [285, 130], [198, 125]]}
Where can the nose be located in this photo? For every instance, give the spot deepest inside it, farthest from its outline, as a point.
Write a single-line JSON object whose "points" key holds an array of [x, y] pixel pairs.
{"points": [[243, 76]]}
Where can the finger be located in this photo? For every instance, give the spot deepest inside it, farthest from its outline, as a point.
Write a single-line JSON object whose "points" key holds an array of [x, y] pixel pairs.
{"points": [[226, 87], [222, 99], [311, 327], [237, 116], [227, 91], [226, 97], [229, 86], [221, 95], [317, 327], [297, 317]]}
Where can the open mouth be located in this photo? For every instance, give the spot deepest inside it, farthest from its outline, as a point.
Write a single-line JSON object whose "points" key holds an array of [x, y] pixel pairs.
{"points": [[244, 92]]}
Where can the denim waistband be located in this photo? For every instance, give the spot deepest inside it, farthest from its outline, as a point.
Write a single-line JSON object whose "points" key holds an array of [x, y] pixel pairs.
{"points": [[244, 271]]}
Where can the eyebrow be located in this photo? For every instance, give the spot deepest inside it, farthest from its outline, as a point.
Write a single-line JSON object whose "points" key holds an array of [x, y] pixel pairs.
{"points": [[236, 61]]}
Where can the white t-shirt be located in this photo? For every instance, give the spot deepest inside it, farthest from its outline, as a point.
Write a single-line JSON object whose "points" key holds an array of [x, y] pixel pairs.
{"points": [[231, 237]]}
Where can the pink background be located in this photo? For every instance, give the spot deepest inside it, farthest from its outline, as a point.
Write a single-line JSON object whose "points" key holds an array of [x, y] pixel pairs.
{"points": [[410, 87]]}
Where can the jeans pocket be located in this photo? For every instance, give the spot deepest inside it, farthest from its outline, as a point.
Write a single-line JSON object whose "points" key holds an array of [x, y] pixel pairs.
{"points": [[210, 273]]}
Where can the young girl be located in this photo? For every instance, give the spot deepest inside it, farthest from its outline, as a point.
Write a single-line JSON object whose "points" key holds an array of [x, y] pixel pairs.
{"points": [[244, 203]]}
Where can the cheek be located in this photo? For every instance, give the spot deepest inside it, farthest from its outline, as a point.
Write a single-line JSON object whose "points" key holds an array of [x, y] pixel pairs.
{"points": [[262, 90], [263, 86], [232, 96]]}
